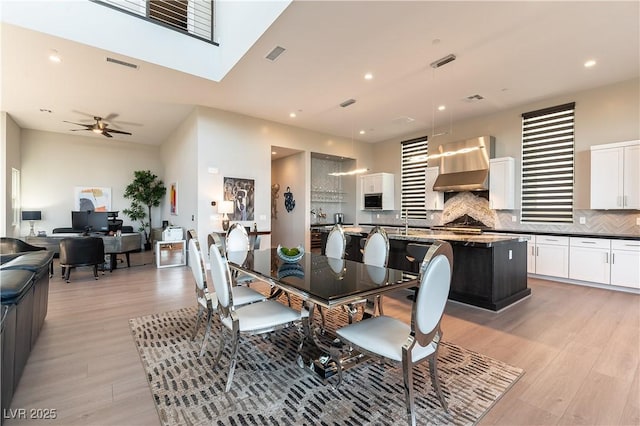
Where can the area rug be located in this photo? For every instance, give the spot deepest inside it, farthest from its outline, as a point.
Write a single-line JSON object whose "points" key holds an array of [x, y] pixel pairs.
{"points": [[269, 388]]}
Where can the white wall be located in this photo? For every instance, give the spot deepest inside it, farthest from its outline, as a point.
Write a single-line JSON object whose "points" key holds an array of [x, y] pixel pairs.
{"points": [[53, 164], [10, 149], [288, 228]]}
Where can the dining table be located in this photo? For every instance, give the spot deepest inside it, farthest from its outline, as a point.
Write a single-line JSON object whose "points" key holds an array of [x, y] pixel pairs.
{"points": [[322, 281]]}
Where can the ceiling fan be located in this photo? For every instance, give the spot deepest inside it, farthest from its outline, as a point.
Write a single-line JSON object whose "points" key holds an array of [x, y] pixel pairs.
{"points": [[100, 127]]}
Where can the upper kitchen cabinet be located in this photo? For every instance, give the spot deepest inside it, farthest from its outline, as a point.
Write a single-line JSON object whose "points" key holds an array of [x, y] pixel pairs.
{"points": [[502, 183], [377, 191], [615, 176], [433, 200]]}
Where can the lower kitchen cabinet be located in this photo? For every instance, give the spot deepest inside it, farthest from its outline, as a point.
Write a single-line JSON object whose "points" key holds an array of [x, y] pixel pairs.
{"points": [[552, 256], [589, 259], [625, 263]]}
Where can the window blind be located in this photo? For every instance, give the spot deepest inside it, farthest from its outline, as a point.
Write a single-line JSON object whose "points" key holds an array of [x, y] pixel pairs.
{"points": [[414, 161], [547, 164]]}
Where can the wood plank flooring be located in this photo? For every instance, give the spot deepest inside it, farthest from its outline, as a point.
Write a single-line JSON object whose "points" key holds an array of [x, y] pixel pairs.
{"points": [[579, 346]]}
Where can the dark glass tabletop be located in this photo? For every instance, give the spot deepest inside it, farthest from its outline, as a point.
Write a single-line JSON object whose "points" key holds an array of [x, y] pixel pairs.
{"points": [[320, 279]]}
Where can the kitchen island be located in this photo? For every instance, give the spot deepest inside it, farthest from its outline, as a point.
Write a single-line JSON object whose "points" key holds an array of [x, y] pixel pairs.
{"points": [[489, 270]]}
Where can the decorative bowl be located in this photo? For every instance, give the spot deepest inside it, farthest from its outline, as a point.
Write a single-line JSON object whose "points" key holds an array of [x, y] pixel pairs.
{"points": [[290, 259]]}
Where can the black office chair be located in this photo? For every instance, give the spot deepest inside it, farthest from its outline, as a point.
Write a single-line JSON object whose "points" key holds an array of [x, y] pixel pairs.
{"points": [[84, 251]]}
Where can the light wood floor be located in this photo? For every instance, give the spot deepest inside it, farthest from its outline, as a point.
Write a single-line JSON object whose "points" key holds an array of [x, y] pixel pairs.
{"points": [[579, 346]]}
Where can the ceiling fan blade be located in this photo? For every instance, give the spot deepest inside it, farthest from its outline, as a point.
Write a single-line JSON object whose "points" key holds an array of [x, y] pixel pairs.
{"points": [[110, 116], [88, 126], [78, 130], [117, 131], [105, 133]]}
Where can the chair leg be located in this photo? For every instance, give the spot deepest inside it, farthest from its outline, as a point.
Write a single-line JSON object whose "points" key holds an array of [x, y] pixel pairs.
{"points": [[220, 348], [128, 260], [197, 325], [407, 372], [379, 303], [67, 273], [95, 271], [205, 338], [232, 360], [435, 380]]}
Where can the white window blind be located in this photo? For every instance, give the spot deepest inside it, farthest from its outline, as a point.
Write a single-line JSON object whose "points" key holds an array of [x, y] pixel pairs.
{"points": [[547, 164], [414, 161]]}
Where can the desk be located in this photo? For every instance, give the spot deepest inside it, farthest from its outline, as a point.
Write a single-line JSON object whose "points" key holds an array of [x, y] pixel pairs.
{"points": [[322, 281], [126, 243]]}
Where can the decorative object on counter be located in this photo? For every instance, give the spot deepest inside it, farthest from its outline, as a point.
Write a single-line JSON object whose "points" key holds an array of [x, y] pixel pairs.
{"points": [[274, 200], [291, 255], [241, 192], [289, 202], [225, 208], [31, 216], [146, 190]]}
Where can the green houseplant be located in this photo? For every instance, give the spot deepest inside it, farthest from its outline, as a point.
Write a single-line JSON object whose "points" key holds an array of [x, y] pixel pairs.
{"points": [[146, 190]]}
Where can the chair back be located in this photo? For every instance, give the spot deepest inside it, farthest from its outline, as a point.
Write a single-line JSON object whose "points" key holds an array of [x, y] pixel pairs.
{"points": [[336, 243], [214, 239], [81, 251], [220, 276], [376, 248], [237, 243], [435, 279], [196, 263]]}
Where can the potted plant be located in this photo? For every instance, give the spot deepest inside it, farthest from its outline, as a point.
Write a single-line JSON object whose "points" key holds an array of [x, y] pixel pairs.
{"points": [[145, 190]]}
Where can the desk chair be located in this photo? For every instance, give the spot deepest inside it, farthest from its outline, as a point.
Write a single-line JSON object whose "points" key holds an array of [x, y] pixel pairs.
{"points": [[389, 338], [81, 251]]}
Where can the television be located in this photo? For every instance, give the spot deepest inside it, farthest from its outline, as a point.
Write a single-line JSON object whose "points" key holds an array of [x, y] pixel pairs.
{"points": [[80, 220], [98, 221]]}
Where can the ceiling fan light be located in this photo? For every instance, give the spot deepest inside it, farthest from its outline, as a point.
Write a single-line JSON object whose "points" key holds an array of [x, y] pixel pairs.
{"points": [[97, 130]]}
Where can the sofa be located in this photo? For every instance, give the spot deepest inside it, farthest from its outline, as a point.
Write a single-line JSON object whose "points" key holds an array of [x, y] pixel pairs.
{"points": [[24, 297]]}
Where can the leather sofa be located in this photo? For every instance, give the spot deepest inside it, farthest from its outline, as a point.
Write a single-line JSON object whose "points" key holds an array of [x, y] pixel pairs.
{"points": [[24, 297]]}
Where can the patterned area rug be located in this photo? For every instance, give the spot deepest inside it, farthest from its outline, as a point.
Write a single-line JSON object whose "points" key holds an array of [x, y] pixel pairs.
{"points": [[269, 388]]}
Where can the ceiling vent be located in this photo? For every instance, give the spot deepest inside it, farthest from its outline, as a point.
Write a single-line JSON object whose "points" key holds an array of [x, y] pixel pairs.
{"points": [[123, 63], [474, 98], [275, 53], [403, 120], [443, 61], [347, 103]]}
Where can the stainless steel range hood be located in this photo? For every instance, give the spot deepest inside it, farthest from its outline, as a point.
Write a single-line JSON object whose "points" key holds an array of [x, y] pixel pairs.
{"points": [[464, 165]]}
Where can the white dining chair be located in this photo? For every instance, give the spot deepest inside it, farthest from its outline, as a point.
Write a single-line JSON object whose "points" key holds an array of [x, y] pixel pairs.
{"points": [[255, 318], [206, 297], [376, 253], [237, 246], [336, 243], [410, 344]]}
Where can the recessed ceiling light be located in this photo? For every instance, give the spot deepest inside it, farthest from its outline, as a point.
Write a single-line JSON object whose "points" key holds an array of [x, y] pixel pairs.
{"points": [[589, 63], [55, 57], [368, 76], [442, 108], [362, 132], [273, 152], [292, 115]]}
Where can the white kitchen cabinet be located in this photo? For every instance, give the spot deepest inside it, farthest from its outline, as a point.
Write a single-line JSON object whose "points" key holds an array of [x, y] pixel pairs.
{"points": [[531, 254], [379, 183], [552, 256], [433, 200], [590, 259], [502, 183], [625, 263], [615, 176]]}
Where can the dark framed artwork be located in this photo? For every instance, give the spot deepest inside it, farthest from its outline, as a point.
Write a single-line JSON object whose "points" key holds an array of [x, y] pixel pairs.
{"points": [[241, 192]]}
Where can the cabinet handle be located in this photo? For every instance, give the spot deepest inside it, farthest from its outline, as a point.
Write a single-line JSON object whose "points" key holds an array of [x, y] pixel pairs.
{"points": [[606, 258], [587, 242], [624, 201], [613, 258], [537, 251]]}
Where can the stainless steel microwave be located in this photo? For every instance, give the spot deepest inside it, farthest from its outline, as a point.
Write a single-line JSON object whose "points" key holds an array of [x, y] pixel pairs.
{"points": [[373, 201]]}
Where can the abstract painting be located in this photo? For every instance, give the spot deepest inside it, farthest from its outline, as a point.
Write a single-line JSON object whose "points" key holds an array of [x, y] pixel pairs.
{"points": [[241, 192], [92, 198], [173, 198]]}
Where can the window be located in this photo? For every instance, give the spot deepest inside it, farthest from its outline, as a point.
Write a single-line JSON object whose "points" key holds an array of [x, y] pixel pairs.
{"points": [[547, 164], [414, 161], [15, 196]]}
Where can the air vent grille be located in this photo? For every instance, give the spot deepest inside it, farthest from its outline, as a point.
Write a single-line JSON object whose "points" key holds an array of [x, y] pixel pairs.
{"points": [[347, 103], [123, 63], [474, 98], [275, 53]]}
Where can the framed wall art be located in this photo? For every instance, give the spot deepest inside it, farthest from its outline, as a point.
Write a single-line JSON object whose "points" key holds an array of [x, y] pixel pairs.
{"points": [[92, 198], [241, 192], [173, 198]]}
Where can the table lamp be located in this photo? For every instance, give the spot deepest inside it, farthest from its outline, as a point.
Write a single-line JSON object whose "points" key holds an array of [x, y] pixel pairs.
{"points": [[224, 208], [31, 216]]}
